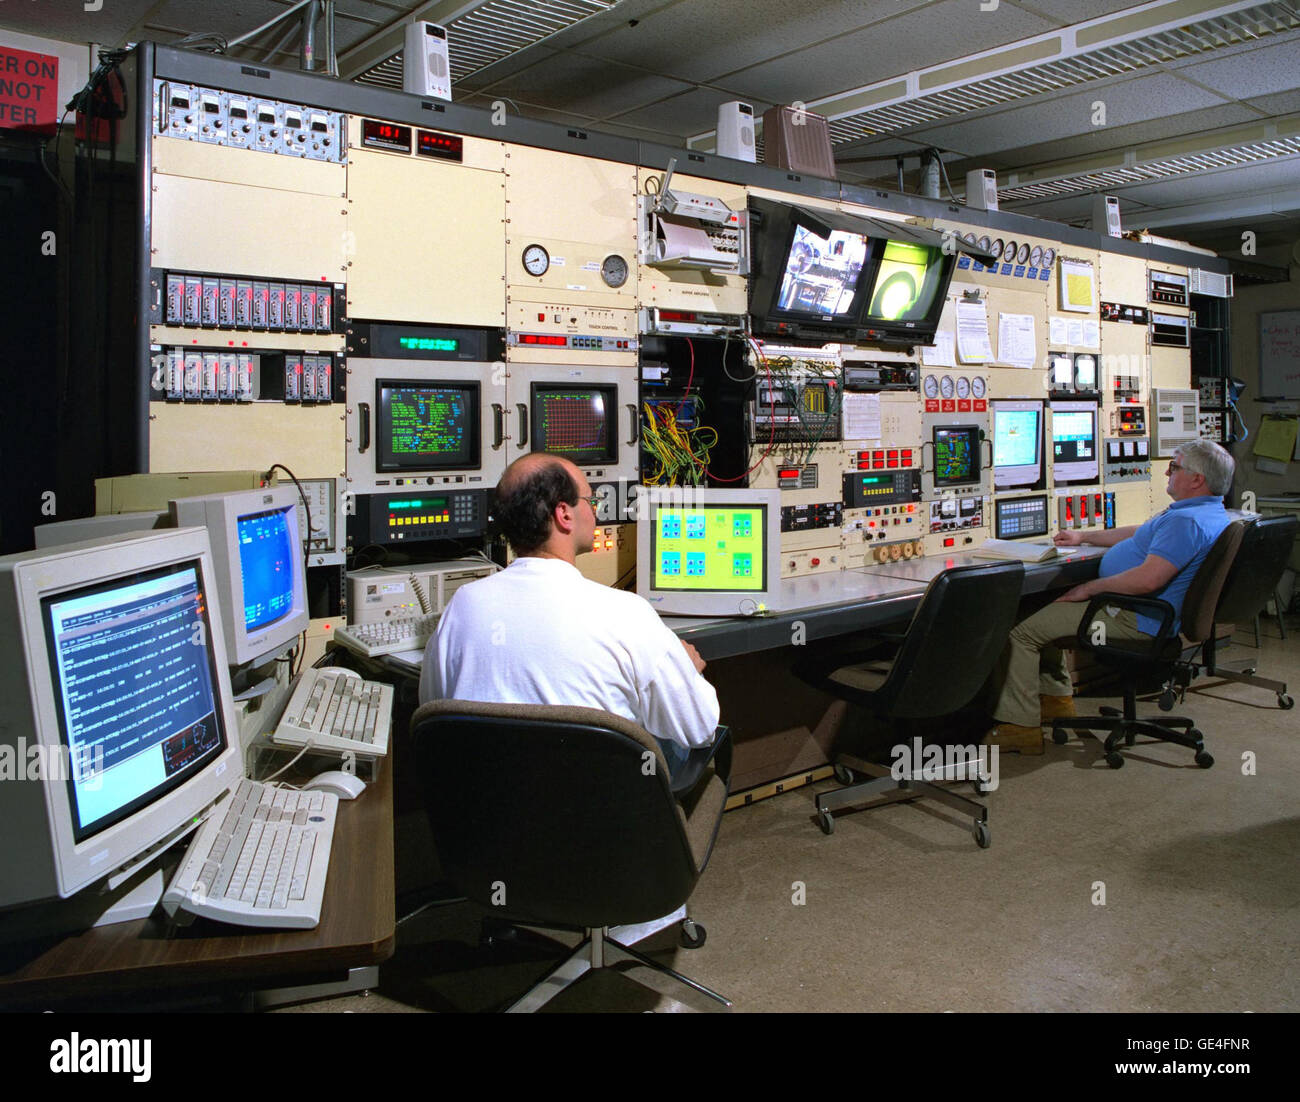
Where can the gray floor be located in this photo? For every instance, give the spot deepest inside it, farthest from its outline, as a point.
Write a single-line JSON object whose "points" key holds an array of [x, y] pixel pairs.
{"points": [[900, 911]]}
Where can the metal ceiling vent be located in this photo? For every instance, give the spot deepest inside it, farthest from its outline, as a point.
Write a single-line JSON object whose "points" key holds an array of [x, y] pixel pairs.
{"points": [[1097, 61], [492, 31]]}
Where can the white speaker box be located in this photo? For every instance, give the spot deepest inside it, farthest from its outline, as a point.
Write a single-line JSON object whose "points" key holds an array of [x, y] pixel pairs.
{"points": [[426, 64], [736, 131], [982, 189], [1105, 215]]}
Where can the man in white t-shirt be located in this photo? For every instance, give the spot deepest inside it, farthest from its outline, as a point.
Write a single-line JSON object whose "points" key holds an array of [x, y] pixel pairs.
{"points": [[538, 632]]}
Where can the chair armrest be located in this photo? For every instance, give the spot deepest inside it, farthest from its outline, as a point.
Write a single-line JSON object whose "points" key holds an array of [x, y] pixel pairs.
{"points": [[717, 753], [1152, 606]]}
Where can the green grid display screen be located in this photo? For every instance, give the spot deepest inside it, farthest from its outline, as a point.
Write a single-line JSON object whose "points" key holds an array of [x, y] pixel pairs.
{"points": [[716, 548]]}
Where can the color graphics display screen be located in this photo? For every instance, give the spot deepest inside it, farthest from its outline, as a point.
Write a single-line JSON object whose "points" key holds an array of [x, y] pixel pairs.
{"points": [[712, 548]]}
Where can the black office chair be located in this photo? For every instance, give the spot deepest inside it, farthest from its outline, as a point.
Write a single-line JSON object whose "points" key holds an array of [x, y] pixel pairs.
{"points": [[1162, 658], [564, 817], [951, 646], [1263, 556]]}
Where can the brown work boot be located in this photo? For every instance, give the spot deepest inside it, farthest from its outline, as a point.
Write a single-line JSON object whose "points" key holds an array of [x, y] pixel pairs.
{"points": [[1056, 707], [1011, 737]]}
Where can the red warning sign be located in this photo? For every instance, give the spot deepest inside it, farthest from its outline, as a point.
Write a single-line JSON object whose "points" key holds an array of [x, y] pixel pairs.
{"points": [[29, 91]]}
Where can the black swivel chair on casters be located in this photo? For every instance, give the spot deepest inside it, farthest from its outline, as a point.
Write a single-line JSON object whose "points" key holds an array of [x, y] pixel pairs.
{"points": [[952, 644], [564, 817], [1159, 659]]}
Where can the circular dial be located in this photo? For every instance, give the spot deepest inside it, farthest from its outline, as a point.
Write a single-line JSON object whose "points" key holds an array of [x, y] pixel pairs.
{"points": [[1036, 256], [1022, 254], [1009, 251], [963, 387], [996, 247], [931, 386], [1049, 256], [969, 238], [984, 242], [977, 386], [614, 270], [536, 260], [945, 386]]}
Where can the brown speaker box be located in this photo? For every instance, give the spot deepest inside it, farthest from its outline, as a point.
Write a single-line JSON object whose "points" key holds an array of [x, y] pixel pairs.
{"points": [[798, 140]]}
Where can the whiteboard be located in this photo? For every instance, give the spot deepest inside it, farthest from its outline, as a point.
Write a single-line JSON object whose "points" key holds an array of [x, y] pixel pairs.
{"points": [[1279, 354]]}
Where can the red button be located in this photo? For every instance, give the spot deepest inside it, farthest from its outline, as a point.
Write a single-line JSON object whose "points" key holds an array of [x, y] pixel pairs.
{"points": [[893, 462], [949, 542]]}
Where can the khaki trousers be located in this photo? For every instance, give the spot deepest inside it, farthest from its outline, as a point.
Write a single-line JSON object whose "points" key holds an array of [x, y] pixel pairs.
{"points": [[1034, 659]]}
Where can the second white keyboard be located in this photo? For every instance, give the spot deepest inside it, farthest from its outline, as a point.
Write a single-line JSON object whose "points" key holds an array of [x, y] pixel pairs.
{"points": [[260, 859], [337, 712], [388, 636]]}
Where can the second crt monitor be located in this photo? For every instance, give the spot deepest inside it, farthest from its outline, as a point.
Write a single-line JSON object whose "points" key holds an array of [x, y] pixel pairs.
{"points": [[707, 552]]}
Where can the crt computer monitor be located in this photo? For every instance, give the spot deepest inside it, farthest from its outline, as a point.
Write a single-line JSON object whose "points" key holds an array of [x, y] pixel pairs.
{"points": [[1074, 442], [576, 421], [956, 455], [1017, 443], [257, 550], [113, 672], [906, 285], [706, 552], [426, 425]]}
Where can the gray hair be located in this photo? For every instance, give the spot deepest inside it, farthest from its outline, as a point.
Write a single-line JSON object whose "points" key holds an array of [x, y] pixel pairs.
{"points": [[1205, 457]]}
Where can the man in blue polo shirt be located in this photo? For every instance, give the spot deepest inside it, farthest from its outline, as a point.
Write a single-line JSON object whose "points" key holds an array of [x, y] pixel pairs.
{"points": [[1157, 559]]}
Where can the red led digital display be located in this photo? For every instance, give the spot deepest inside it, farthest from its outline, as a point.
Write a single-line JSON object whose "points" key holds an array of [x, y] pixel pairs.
{"points": [[385, 135], [542, 338], [447, 147]]}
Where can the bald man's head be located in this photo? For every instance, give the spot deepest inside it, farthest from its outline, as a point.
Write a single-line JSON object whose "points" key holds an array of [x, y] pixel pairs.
{"points": [[527, 495]]}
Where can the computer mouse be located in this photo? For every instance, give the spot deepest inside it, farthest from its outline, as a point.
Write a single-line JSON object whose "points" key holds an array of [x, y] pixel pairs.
{"points": [[346, 786]]}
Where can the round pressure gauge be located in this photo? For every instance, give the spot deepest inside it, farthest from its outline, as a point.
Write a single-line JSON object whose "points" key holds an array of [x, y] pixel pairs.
{"points": [[969, 238], [996, 248], [1036, 256], [614, 270], [1022, 254], [977, 386], [1049, 257], [945, 386], [536, 260], [931, 386], [963, 387], [984, 242], [1009, 251]]}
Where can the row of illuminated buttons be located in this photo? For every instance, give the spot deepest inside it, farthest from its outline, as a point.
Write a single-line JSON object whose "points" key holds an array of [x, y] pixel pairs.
{"points": [[886, 453], [891, 510], [897, 520], [441, 518]]}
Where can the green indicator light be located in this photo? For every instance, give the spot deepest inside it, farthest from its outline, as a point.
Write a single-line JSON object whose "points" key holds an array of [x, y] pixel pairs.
{"points": [[429, 344]]}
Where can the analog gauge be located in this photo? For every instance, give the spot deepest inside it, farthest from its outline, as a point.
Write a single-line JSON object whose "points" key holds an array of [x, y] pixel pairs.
{"points": [[1049, 257], [945, 386], [996, 247], [1022, 254], [1036, 256], [963, 387], [977, 386], [984, 242], [1009, 251], [969, 238], [931, 386], [614, 270], [536, 260]]}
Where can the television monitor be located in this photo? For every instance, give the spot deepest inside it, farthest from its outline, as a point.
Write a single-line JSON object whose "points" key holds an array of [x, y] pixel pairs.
{"points": [[821, 273], [426, 425], [1017, 443], [1074, 442], [113, 669], [956, 455], [707, 552], [576, 421], [906, 284], [259, 557]]}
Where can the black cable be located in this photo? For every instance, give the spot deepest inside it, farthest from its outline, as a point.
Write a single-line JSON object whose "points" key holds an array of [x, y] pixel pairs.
{"points": [[306, 505]]}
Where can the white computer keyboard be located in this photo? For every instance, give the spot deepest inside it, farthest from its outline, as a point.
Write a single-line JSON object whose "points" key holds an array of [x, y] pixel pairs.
{"points": [[334, 711], [260, 859], [388, 636]]}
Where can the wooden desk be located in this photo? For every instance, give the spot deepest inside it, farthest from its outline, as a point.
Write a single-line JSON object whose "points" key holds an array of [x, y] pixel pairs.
{"points": [[357, 928]]}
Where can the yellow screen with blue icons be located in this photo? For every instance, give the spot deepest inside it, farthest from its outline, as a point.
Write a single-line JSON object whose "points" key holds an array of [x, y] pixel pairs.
{"points": [[709, 547]]}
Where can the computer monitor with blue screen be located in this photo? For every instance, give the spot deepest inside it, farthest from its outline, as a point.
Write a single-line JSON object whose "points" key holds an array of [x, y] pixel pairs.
{"points": [[707, 552], [113, 669], [1074, 442], [258, 553], [1017, 443]]}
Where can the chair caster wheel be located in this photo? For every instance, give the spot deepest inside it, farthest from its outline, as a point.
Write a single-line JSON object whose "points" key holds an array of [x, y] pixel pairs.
{"points": [[826, 821], [692, 935], [844, 774], [1204, 760], [1107, 710], [1284, 701], [1167, 701], [1060, 737], [1115, 759], [982, 837]]}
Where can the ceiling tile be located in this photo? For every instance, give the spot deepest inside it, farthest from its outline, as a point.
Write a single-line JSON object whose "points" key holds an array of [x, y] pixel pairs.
{"points": [[586, 85], [1271, 65]]}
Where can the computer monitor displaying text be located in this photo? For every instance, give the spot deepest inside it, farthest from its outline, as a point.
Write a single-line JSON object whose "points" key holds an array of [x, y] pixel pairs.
{"points": [[424, 425], [1017, 443]]}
